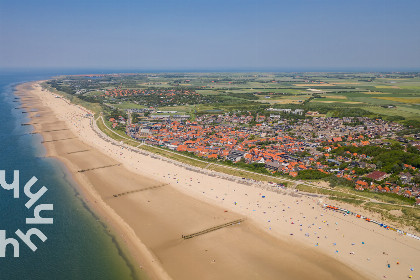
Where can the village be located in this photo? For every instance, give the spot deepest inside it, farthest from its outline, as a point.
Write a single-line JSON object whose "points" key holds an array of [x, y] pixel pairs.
{"points": [[343, 151], [155, 97], [293, 126]]}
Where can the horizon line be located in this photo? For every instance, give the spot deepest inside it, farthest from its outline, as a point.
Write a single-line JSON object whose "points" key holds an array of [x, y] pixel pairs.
{"points": [[220, 69]]}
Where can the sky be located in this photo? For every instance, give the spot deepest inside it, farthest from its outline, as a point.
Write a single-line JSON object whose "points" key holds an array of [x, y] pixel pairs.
{"points": [[217, 34]]}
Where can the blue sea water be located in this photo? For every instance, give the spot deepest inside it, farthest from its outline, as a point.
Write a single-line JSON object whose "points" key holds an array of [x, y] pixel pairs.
{"points": [[79, 246]]}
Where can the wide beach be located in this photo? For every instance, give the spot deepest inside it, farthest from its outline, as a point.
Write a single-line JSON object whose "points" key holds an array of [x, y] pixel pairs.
{"points": [[284, 235]]}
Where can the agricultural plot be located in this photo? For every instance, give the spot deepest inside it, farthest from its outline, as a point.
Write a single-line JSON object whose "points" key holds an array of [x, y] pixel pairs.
{"points": [[283, 99], [401, 111], [207, 91], [193, 93], [409, 100], [330, 100], [376, 93]]}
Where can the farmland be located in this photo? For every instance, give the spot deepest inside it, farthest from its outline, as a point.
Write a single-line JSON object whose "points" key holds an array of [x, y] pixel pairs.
{"points": [[385, 95]]}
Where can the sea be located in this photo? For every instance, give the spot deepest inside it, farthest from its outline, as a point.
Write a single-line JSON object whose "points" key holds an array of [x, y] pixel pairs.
{"points": [[78, 244]]}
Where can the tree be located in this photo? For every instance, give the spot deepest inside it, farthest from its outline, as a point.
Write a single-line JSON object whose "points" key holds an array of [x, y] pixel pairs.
{"points": [[339, 181]]}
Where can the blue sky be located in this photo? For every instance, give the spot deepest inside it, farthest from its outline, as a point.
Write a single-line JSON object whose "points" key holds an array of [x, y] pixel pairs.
{"points": [[229, 34]]}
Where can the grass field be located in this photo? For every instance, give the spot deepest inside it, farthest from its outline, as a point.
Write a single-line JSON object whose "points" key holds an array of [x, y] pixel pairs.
{"points": [[409, 100], [313, 85], [279, 101], [183, 108], [336, 96], [128, 105], [329, 100], [406, 112], [376, 92], [339, 90]]}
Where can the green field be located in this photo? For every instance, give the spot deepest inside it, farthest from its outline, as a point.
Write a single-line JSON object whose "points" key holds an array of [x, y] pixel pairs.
{"points": [[128, 105], [226, 92]]}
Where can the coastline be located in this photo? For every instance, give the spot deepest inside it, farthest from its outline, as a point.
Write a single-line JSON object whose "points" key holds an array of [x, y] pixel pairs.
{"points": [[198, 192], [134, 251]]}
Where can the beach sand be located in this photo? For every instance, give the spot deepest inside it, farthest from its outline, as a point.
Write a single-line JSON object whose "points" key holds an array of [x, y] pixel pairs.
{"points": [[285, 235]]}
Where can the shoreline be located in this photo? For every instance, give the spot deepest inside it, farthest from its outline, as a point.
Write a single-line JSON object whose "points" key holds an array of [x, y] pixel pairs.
{"points": [[116, 227], [127, 254], [135, 252], [199, 188]]}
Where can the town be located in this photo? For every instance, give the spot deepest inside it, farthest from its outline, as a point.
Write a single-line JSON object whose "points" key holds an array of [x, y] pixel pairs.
{"points": [[347, 151]]}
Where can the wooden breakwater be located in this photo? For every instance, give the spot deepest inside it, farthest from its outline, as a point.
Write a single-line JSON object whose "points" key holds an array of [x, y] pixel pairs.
{"points": [[212, 229], [55, 140], [139, 190], [75, 152], [100, 167]]}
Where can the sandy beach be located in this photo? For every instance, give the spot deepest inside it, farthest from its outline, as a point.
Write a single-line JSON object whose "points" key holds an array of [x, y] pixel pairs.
{"points": [[151, 203]]}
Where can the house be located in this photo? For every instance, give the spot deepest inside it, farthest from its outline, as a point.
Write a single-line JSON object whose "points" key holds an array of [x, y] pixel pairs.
{"points": [[144, 131], [261, 160], [361, 185], [182, 148], [235, 155], [293, 174], [272, 165], [366, 165], [377, 175], [406, 177], [171, 146], [334, 161]]}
